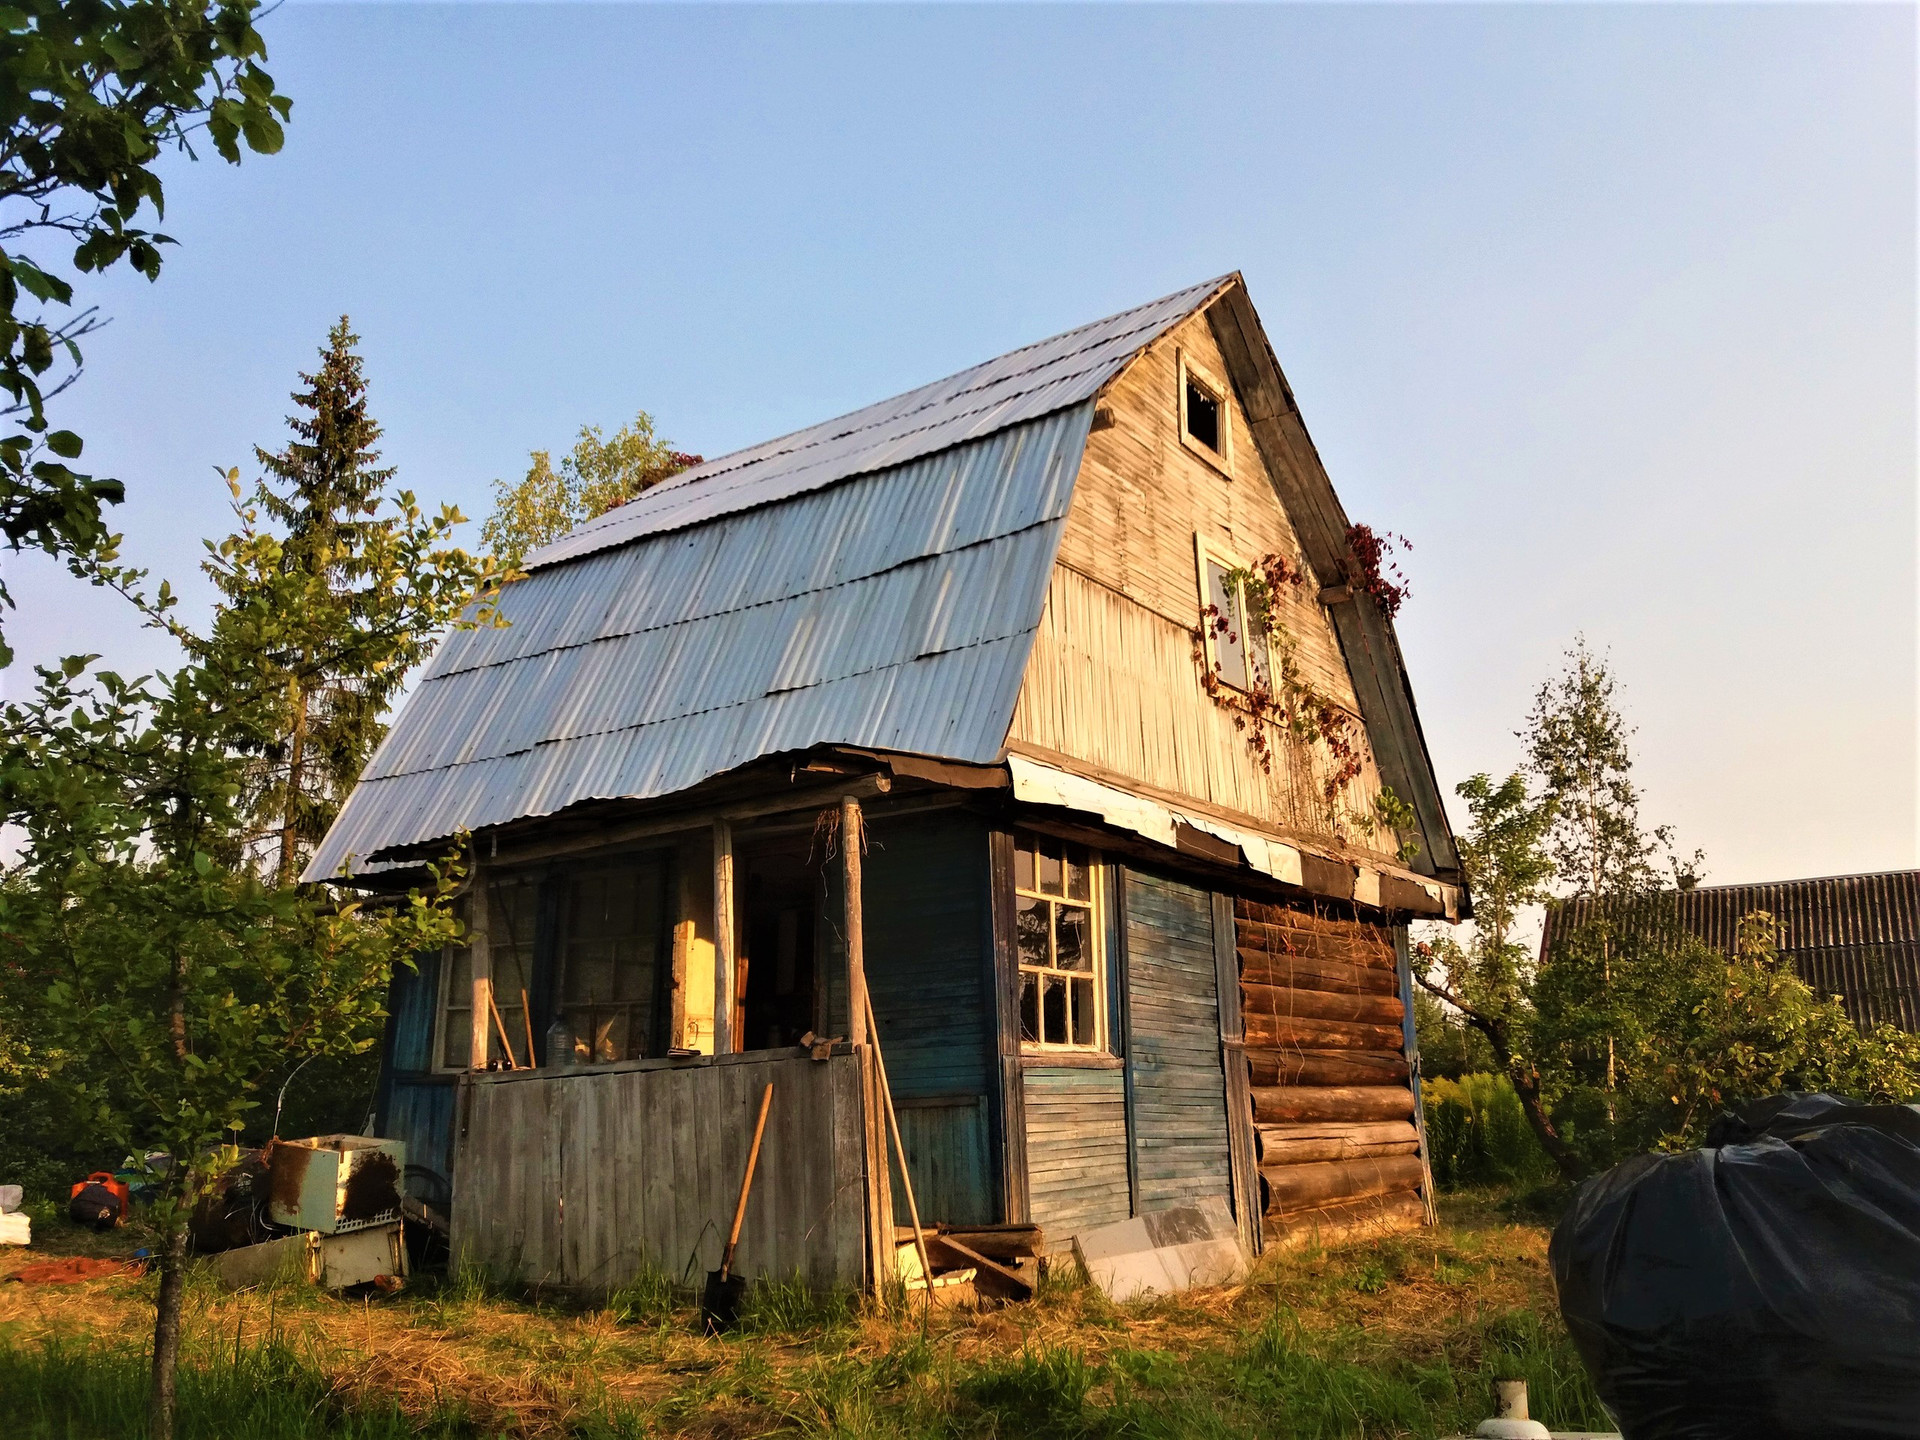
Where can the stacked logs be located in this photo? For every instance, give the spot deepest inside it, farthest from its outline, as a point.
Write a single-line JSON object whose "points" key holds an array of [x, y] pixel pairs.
{"points": [[1332, 1103]]}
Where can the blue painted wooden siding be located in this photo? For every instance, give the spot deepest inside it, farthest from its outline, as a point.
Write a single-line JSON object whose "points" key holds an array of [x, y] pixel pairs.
{"points": [[417, 1106], [1076, 1149], [924, 896], [1181, 1146]]}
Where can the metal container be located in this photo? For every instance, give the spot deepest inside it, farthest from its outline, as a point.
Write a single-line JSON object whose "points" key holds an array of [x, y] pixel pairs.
{"points": [[335, 1183]]}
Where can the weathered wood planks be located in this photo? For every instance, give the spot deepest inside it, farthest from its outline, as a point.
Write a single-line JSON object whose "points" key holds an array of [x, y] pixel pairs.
{"points": [[1333, 1140], [1316, 1004], [1305, 1186], [577, 1179]]}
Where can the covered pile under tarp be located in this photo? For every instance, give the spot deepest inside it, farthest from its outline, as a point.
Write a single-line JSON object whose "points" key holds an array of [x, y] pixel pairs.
{"points": [[1767, 1285]]}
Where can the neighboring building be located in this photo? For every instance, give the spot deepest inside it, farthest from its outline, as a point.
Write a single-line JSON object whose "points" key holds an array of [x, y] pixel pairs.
{"points": [[1117, 958], [1855, 936]]}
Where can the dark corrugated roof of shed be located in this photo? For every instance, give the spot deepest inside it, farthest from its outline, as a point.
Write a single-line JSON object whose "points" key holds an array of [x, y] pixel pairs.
{"points": [[1856, 936]]}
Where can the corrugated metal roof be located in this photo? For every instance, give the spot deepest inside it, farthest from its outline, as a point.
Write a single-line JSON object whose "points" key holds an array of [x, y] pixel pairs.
{"points": [[893, 612], [1855, 936], [1026, 383], [874, 581]]}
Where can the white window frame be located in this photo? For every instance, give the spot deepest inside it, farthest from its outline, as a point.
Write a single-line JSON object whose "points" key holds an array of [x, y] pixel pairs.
{"points": [[1096, 905], [1205, 554], [1221, 459]]}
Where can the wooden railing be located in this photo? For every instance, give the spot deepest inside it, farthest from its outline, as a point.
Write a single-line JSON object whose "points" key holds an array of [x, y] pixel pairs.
{"points": [[579, 1179]]}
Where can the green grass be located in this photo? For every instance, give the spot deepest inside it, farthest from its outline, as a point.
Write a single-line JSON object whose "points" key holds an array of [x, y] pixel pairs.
{"points": [[1400, 1338], [61, 1389]]}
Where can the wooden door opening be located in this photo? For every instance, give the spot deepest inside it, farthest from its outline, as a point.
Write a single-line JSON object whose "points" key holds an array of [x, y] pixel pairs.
{"points": [[777, 990]]}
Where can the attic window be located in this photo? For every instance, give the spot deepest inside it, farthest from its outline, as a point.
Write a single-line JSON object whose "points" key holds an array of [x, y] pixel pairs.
{"points": [[1203, 415], [1236, 652]]}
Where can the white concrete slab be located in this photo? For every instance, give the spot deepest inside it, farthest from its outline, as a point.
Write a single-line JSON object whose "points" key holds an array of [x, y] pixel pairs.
{"points": [[1164, 1252]]}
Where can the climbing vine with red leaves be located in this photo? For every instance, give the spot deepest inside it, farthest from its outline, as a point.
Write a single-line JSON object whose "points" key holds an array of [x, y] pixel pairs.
{"points": [[1372, 568], [1282, 696]]}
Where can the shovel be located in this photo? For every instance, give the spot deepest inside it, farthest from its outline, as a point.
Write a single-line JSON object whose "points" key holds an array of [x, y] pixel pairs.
{"points": [[720, 1304]]}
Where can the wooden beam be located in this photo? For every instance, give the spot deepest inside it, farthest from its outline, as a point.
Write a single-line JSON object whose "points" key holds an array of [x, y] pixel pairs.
{"points": [[683, 821], [1003, 978], [1242, 1166], [854, 925], [477, 919], [723, 1037]]}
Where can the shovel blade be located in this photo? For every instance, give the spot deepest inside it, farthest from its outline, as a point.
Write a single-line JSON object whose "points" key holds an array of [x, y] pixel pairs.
{"points": [[720, 1301]]}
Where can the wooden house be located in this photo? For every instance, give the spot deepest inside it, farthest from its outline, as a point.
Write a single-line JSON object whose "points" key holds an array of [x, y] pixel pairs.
{"points": [[955, 701]]}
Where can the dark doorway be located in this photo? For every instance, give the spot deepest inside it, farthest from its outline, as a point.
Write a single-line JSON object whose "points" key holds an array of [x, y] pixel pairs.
{"points": [[776, 993]]}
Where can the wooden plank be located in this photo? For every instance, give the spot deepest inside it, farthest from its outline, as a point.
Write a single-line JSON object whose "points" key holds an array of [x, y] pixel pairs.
{"points": [[1240, 1141], [1353, 1132], [1280, 1104], [1263, 967], [723, 944], [1009, 1099], [1326, 1067]]}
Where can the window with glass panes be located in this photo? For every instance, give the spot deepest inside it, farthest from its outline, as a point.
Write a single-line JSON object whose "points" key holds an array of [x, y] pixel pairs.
{"points": [[1056, 919]]}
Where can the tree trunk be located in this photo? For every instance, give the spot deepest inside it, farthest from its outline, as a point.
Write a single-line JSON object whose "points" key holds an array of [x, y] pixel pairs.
{"points": [[1525, 1084], [290, 811], [166, 1328]]}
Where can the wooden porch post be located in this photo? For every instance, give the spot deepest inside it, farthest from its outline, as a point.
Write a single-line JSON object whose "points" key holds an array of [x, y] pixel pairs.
{"points": [[882, 1268], [482, 967], [723, 1036], [850, 838]]}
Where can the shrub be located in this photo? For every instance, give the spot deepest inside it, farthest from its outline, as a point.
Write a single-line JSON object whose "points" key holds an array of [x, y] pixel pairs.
{"points": [[1477, 1134]]}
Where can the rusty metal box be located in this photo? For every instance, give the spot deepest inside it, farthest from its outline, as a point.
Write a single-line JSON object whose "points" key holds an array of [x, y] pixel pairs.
{"points": [[335, 1183]]}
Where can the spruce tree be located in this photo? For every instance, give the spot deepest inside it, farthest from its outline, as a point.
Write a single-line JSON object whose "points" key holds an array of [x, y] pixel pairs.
{"points": [[372, 581]]}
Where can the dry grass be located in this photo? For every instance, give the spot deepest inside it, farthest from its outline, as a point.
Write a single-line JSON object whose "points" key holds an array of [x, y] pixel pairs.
{"points": [[1426, 1314]]}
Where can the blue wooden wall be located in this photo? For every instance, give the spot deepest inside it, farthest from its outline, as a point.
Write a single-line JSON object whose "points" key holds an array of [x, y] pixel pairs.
{"points": [[924, 896], [415, 1105], [1076, 1149], [1181, 1149]]}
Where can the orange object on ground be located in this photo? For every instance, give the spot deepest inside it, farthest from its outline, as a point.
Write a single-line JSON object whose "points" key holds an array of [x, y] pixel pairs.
{"points": [[73, 1270], [107, 1182]]}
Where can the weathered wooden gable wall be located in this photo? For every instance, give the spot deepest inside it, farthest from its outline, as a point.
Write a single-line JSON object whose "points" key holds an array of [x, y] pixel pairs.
{"points": [[1113, 683]]}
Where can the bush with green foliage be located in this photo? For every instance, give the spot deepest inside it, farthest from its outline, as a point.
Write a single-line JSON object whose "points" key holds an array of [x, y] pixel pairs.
{"points": [[1477, 1134]]}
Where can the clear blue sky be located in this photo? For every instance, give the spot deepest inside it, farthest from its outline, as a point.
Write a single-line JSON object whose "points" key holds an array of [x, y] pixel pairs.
{"points": [[1611, 310]]}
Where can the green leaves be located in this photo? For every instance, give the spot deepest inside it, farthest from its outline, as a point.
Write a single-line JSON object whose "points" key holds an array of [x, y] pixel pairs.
{"points": [[92, 93]]}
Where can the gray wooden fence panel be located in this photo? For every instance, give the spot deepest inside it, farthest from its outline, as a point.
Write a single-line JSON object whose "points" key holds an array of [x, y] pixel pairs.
{"points": [[578, 1179]]}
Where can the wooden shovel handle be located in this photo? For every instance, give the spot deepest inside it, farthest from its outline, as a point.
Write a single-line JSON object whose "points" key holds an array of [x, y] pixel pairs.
{"points": [[746, 1182]]}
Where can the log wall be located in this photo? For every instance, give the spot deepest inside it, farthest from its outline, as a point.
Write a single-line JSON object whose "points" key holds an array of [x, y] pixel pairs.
{"points": [[1333, 1103]]}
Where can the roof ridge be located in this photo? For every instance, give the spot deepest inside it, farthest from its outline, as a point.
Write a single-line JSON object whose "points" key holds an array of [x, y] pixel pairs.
{"points": [[888, 411]]}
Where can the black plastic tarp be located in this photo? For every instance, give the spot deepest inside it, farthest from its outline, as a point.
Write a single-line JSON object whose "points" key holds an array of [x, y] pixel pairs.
{"points": [[1766, 1285]]}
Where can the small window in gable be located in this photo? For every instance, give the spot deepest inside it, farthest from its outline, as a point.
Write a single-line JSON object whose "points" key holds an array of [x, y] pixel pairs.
{"points": [[1234, 653], [1203, 414]]}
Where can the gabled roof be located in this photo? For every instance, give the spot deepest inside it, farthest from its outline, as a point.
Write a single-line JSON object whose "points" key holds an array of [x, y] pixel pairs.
{"points": [[875, 581], [872, 581]]}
